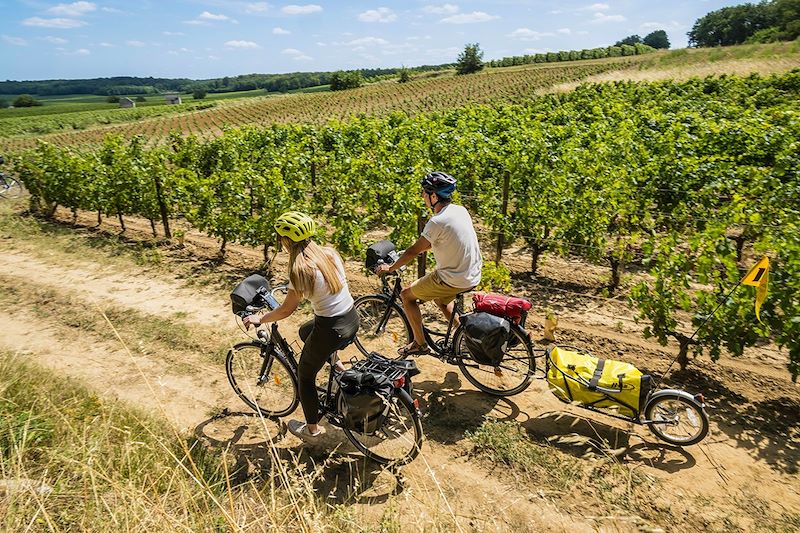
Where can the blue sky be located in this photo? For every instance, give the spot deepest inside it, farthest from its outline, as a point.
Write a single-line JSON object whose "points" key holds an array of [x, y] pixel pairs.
{"points": [[214, 38]]}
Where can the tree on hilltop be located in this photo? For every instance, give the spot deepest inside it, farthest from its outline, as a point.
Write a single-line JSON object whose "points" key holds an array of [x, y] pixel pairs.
{"points": [[629, 40], [657, 39], [470, 60], [26, 100]]}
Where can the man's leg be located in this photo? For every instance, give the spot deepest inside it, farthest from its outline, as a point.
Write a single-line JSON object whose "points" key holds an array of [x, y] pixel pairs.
{"points": [[447, 310], [414, 315]]}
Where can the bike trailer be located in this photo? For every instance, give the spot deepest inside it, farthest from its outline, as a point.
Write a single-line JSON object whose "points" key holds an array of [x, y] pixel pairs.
{"points": [[486, 337], [381, 252], [245, 292], [366, 388], [509, 307], [595, 383]]}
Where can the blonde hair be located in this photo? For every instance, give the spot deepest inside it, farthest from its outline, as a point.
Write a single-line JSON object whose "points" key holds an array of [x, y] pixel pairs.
{"points": [[305, 259]]}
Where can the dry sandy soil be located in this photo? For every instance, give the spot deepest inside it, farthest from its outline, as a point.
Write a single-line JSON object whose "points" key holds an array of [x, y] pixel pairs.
{"points": [[743, 476]]}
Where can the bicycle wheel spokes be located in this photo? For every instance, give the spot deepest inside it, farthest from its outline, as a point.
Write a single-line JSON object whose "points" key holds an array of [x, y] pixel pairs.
{"points": [[272, 394], [10, 189], [381, 331], [399, 439], [677, 421], [511, 377]]}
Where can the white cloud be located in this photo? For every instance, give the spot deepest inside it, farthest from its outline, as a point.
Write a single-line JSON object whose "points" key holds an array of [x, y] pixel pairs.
{"points": [[367, 41], [136, 44], [82, 52], [53, 23], [241, 44], [444, 9], [600, 18], [301, 10], [469, 18], [173, 33], [16, 41], [54, 40], [111, 10], [597, 7], [107, 45], [295, 54], [382, 14], [672, 25], [257, 7], [564, 31], [526, 34], [205, 15], [280, 31], [75, 9]]}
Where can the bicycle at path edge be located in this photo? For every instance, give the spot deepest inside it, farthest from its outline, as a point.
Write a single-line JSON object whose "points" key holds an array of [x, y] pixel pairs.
{"points": [[263, 373], [385, 328]]}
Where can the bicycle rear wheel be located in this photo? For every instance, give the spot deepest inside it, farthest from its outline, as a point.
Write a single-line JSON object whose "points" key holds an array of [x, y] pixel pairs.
{"points": [[399, 439], [262, 380], [512, 376], [677, 420], [383, 329], [10, 188]]}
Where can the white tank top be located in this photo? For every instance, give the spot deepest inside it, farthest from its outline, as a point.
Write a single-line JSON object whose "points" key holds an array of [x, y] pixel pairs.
{"points": [[325, 304]]}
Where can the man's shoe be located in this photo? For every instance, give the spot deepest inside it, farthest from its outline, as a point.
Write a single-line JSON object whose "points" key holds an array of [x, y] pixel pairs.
{"points": [[413, 349]]}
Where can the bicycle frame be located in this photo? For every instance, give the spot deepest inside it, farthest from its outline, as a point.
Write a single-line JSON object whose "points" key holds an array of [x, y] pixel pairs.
{"points": [[274, 344], [442, 347]]}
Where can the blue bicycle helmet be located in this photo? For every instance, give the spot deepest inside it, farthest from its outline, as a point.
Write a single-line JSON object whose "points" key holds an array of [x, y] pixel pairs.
{"points": [[441, 183]]}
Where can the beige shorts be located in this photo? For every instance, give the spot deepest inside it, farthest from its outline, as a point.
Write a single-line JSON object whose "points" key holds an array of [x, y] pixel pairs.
{"points": [[431, 287]]}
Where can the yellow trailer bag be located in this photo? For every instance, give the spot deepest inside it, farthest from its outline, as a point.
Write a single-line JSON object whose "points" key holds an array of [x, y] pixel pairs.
{"points": [[596, 383]]}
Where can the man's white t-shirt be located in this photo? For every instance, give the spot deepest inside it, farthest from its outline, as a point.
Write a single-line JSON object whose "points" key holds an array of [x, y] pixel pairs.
{"points": [[455, 246], [325, 304]]}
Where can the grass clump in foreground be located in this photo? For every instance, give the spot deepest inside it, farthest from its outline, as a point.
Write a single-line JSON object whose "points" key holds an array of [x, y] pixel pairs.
{"points": [[70, 460], [606, 480]]}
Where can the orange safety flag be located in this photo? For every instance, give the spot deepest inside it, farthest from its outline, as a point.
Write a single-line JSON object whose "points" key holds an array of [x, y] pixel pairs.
{"points": [[758, 277]]}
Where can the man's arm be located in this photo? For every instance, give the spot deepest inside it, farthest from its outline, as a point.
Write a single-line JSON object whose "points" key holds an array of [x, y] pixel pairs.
{"points": [[422, 245]]}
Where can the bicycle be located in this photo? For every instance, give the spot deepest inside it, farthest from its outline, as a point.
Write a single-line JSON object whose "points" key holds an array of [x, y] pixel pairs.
{"points": [[263, 373], [10, 188], [385, 327]]}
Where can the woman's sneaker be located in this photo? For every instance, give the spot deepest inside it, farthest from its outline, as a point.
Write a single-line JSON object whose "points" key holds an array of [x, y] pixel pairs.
{"points": [[300, 430]]}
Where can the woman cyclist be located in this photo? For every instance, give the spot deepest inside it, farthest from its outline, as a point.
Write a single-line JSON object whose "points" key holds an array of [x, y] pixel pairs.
{"points": [[317, 274]]}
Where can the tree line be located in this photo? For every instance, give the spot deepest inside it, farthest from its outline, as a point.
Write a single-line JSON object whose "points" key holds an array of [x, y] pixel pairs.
{"points": [[574, 55], [765, 22]]}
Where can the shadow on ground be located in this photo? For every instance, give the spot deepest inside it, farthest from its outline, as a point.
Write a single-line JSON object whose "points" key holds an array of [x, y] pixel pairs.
{"points": [[262, 450]]}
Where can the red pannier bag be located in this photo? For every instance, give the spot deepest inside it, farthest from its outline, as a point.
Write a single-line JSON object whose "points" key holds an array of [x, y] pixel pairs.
{"points": [[509, 307]]}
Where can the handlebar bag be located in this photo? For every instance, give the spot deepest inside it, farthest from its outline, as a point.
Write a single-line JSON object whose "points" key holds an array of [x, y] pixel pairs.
{"points": [[575, 377], [486, 337], [501, 305], [380, 251], [245, 292], [363, 400]]}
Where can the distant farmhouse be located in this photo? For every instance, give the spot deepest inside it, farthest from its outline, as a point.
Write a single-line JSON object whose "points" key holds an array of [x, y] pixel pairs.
{"points": [[126, 102], [172, 99]]}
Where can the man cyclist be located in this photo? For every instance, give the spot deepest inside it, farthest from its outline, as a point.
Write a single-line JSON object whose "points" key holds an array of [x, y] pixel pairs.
{"points": [[451, 235]]}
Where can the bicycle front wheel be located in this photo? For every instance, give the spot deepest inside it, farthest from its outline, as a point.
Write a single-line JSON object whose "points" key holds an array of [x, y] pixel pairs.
{"points": [[11, 188], [676, 420], [399, 439], [384, 327], [265, 382], [512, 376]]}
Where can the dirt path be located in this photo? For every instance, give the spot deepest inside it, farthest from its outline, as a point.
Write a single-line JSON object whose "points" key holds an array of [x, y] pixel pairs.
{"points": [[749, 459]]}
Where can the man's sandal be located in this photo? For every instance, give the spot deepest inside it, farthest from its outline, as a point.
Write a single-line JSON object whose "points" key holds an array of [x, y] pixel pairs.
{"points": [[413, 349]]}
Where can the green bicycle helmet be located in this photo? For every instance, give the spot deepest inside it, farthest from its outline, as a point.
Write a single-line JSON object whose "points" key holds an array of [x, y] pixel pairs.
{"points": [[295, 225]]}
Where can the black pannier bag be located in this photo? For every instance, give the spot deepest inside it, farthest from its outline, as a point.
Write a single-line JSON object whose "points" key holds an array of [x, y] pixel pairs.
{"points": [[364, 399], [486, 337], [381, 251], [246, 291]]}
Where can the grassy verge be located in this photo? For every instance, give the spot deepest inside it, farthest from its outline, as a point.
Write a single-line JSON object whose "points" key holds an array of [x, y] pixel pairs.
{"points": [[72, 461]]}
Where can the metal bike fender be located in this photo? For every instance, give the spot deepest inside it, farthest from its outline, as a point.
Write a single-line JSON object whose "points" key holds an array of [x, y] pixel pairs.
{"points": [[675, 392]]}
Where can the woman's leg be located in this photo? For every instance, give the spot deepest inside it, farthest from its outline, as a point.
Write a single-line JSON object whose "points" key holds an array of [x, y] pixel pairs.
{"points": [[316, 351]]}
